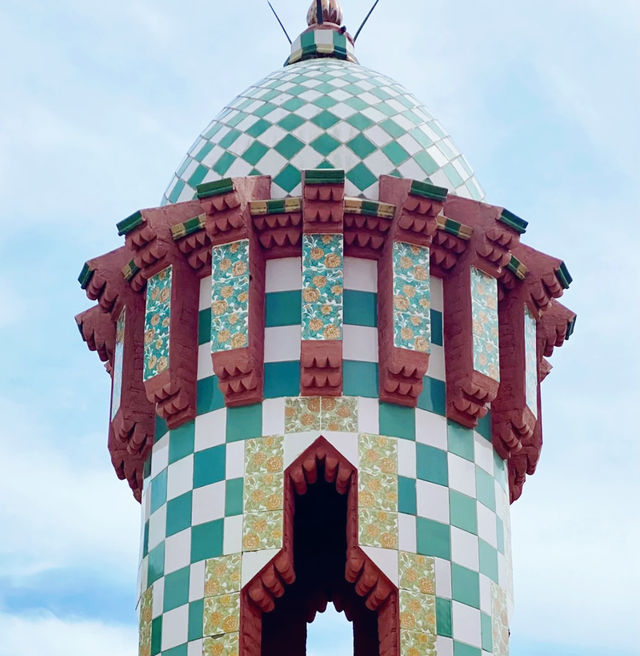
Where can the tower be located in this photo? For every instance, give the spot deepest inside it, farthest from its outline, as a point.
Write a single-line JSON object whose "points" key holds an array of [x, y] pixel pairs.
{"points": [[326, 354]]}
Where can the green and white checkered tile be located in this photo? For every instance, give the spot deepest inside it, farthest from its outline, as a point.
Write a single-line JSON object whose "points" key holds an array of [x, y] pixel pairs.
{"points": [[324, 113]]}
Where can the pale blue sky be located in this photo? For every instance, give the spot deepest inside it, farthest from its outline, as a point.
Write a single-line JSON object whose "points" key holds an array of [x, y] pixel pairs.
{"points": [[99, 103]]}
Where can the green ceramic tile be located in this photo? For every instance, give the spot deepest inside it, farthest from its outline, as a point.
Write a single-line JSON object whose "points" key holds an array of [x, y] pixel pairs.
{"points": [[181, 441], [288, 178], [407, 495], [209, 397], [426, 162], [145, 539], [158, 490], [484, 426], [499, 469], [233, 497], [258, 128], [360, 378], [431, 464], [485, 488], [267, 108], [461, 649], [396, 153], [176, 589], [156, 564], [180, 650], [421, 137], [196, 612], [392, 128], [500, 532], [360, 308], [291, 122], [146, 471], [161, 429], [156, 635], [436, 328], [486, 628], [360, 121], [463, 511], [289, 146], [204, 151], [465, 585], [325, 144], [176, 191], [293, 104], [488, 560], [361, 176], [361, 146], [244, 422], [198, 175], [254, 153], [325, 102], [206, 540], [281, 379], [224, 163], [450, 171], [397, 421], [283, 308], [460, 440], [433, 538], [209, 466], [229, 138], [433, 396], [325, 120], [179, 514], [204, 326], [443, 617]]}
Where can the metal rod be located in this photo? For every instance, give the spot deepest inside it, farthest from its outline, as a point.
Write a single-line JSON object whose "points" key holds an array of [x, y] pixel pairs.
{"points": [[365, 20], [279, 21], [319, 12]]}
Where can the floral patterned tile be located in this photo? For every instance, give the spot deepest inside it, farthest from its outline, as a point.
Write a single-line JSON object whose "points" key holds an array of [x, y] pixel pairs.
{"points": [[223, 575], [264, 455], [263, 491], [146, 610], [222, 614], [230, 314], [378, 491], [484, 309], [262, 530], [412, 332], [156, 324], [499, 621], [378, 454], [417, 612], [416, 573], [377, 528], [302, 414], [230, 261], [416, 643], [340, 413], [225, 645]]}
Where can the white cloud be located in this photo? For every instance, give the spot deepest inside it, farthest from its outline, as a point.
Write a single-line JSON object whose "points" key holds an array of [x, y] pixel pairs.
{"points": [[43, 633]]}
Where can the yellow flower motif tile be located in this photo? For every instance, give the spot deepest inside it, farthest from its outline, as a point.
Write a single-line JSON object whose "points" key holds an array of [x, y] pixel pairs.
{"points": [[222, 614], [156, 324], [302, 414], [378, 491], [146, 604], [262, 530], [417, 612], [377, 528], [416, 643], [225, 645], [263, 492], [416, 573], [484, 312], [264, 454], [378, 454], [339, 413], [223, 575]]}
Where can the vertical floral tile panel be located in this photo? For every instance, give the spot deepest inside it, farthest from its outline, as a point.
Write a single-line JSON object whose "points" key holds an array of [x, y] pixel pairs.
{"points": [[322, 287], [224, 645], [230, 296], [156, 323], [484, 311], [316, 413], [223, 575], [531, 361], [116, 389], [302, 414], [417, 604], [499, 621], [411, 297], [146, 611]]}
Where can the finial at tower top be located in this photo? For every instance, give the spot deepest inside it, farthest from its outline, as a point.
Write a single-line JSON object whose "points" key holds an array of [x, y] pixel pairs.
{"points": [[331, 12]]}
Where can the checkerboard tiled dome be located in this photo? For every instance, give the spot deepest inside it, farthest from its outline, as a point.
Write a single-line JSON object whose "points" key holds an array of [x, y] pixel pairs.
{"points": [[324, 113]]}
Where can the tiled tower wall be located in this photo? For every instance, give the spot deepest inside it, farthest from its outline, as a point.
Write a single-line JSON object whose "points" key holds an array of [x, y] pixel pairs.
{"points": [[433, 495]]}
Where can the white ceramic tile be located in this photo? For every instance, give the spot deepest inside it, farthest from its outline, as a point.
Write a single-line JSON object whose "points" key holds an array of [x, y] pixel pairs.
{"points": [[432, 501], [146, 499], [194, 648], [205, 293], [444, 646], [160, 456], [502, 501], [464, 548], [443, 578], [406, 532], [462, 475], [368, 415], [157, 598], [503, 571], [386, 560], [487, 525], [232, 542], [296, 443], [436, 363], [210, 429], [177, 551], [254, 561], [359, 343], [175, 627], [284, 274], [234, 461], [345, 443], [180, 477], [205, 364], [406, 458], [483, 453], [360, 274], [466, 624], [431, 429], [485, 594], [157, 527], [208, 503], [282, 343], [196, 581], [143, 576]]}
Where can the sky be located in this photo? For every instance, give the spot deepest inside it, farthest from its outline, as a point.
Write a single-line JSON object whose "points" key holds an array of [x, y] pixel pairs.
{"points": [[99, 103]]}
